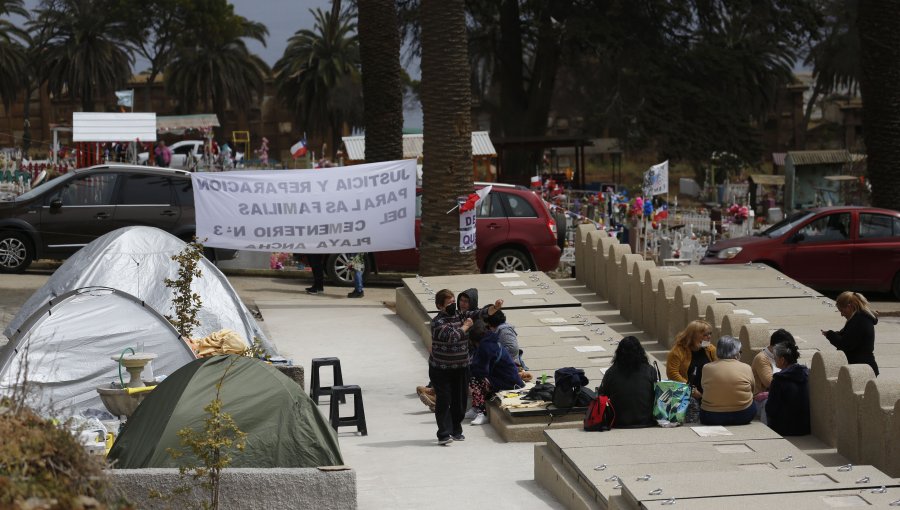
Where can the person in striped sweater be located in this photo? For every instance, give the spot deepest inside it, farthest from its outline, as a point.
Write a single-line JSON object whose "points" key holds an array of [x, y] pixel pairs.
{"points": [[448, 360]]}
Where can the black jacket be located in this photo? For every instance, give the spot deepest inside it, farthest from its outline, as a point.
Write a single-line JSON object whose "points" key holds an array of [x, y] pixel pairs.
{"points": [[631, 394], [787, 409], [857, 339]]}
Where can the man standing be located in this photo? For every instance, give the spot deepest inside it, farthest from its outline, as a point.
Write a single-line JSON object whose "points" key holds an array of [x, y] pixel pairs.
{"points": [[448, 361]]}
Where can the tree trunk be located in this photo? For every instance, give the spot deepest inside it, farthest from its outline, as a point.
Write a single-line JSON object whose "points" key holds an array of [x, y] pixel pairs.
{"points": [[446, 99], [524, 110], [379, 50], [879, 31], [26, 120]]}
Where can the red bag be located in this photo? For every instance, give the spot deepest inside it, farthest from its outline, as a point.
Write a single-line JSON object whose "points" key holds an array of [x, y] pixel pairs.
{"points": [[600, 415]]}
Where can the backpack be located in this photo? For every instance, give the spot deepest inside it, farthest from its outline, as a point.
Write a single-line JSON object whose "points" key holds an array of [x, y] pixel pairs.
{"points": [[569, 381], [600, 415], [540, 391]]}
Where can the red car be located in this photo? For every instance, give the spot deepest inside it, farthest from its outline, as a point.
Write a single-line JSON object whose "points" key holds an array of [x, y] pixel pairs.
{"points": [[515, 229], [830, 248]]}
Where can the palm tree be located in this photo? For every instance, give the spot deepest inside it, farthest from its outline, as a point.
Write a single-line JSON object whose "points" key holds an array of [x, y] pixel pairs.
{"points": [[446, 99], [155, 27], [86, 52], [835, 57], [879, 32], [211, 66], [379, 50], [12, 51], [318, 76]]}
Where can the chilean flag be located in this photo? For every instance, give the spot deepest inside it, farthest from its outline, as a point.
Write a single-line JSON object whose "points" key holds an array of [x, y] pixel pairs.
{"points": [[662, 213], [298, 150]]}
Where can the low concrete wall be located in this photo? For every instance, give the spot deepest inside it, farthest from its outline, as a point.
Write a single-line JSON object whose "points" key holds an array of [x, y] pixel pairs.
{"points": [[244, 488]]}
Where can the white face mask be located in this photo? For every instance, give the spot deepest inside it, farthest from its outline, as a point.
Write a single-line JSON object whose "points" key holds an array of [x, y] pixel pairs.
{"points": [[704, 344]]}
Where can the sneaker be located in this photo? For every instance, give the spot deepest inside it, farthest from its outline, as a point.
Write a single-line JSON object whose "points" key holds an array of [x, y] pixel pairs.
{"points": [[444, 441], [471, 413], [480, 419], [458, 437], [356, 293], [314, 291]]}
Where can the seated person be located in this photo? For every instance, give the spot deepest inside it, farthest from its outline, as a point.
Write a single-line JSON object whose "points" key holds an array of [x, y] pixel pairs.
{"points": [[692, 351], [492, 370], [508, 337], [788, 405], [728, 387], [629, 385], [763, 366]]}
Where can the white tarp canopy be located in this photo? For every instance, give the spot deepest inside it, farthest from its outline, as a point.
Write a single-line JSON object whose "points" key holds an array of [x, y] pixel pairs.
{"points": [[137, 260], [63, 347], [113, 127]]}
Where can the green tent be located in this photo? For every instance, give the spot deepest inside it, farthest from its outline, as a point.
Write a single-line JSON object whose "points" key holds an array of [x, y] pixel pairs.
{"points": [[284, 427]]}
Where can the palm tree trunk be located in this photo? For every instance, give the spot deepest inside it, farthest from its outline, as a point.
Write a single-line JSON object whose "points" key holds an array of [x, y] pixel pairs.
{"points": [[26, 120], [446, 99], [879, 29], [379, 37]]}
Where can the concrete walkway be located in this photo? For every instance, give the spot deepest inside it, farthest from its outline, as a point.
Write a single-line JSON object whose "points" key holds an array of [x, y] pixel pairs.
{"points": [[399, 464]]}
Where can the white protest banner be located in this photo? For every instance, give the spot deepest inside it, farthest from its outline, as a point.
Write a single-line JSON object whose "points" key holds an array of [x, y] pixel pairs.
{"points": [[656, 180], [467, 233], [360, 208]]}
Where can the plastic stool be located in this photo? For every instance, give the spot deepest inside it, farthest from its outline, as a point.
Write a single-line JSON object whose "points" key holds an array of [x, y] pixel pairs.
{"points": [[315, 390], [359, 414]]}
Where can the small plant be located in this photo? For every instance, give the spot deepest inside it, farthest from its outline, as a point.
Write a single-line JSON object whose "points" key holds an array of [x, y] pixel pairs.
{"points": [[257, 350], [212, 446], [186, 302]]}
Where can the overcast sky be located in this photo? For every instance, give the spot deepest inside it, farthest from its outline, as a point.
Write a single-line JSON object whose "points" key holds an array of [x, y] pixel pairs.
{"points": [[282, 17]]}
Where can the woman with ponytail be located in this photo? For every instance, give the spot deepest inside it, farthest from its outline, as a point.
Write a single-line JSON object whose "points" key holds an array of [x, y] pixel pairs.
{"points": [[787, 409], [857, 338]]}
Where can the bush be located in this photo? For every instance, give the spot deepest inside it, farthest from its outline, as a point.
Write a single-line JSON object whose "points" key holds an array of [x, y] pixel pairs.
{"points": [[44, 464]]}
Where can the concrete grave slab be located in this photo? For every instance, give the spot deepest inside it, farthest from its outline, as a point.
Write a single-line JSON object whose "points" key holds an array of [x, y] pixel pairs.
{"points": [[654, 435], [818, 500], [730, 484], [851, 384], [550, 316], [613, 266], [823, 375], [635, 312], [876, 413], [622, 284]]}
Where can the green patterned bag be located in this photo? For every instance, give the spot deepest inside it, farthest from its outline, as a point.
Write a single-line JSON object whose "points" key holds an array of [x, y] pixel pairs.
{"points": [[672, 398]]}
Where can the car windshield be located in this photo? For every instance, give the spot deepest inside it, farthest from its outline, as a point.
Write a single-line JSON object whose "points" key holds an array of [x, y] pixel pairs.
{"points": [[786, 224], [34, 192]]}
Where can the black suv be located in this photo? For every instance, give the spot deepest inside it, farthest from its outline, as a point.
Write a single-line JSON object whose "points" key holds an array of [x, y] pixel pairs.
{"points": [[57, 218]]}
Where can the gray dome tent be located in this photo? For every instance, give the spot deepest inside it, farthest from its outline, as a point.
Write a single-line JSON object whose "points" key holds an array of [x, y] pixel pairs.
{"points": [[136, 260], [284, 427], [63, 348]]}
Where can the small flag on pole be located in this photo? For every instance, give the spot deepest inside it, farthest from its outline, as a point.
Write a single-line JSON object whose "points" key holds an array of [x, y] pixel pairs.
{"points": [[298, 150], [535, 181], [125, 98]]}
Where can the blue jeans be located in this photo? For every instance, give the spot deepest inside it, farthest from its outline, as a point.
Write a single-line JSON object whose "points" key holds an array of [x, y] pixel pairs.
{"points": [[732, 418], [358, 280]]}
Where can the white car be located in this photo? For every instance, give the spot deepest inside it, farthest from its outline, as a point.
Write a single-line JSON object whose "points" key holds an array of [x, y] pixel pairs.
{"points": [[180, 152]]}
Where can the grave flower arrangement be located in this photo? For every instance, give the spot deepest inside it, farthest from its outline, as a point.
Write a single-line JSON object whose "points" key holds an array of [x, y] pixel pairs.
{"points": [[738, 213]]}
